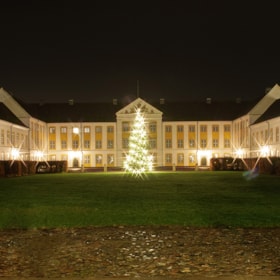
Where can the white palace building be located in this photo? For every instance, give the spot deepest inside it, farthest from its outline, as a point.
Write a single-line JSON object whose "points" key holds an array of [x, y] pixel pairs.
{"points": [[185, 133]]}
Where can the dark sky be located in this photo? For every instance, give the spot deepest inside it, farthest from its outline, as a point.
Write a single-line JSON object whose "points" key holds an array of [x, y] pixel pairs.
{"points": [[60, 50]]}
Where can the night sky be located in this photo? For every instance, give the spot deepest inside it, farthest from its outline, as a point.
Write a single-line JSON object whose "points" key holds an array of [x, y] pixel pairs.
{"points": [[53, 51]]}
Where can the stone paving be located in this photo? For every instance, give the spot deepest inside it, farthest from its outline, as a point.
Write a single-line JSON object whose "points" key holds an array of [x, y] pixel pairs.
{"points": [[140, 252]]}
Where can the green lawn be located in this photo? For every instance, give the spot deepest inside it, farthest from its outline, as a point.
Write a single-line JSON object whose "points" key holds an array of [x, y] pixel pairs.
{"points": [[162, 198]]}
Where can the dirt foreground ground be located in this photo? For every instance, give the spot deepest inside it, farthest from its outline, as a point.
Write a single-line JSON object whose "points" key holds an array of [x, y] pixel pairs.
{"points": [[234, 277], [169, 252]]}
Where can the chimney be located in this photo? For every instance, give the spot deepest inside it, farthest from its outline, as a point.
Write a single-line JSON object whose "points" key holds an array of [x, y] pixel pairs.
{"points": [[71, 102], [208, 100], [115, 101], [162, 101]]}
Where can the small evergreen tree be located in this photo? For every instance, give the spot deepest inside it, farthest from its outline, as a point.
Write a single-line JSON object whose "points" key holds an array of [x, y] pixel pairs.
{"points": [[138, 159]]}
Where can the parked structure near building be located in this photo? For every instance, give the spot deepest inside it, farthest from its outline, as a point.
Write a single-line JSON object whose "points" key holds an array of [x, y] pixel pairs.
{"points": [[180, 133]]}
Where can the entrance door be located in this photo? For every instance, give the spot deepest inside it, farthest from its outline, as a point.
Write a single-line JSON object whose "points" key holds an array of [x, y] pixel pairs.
{"points": [[75, 162], [203, 161]]}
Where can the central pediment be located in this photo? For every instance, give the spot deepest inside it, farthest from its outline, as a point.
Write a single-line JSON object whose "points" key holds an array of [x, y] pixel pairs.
{"points": [[141, 104]]}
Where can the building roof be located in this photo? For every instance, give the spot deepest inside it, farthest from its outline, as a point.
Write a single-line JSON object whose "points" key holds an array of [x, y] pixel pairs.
{"points": [[272, 112], [7, 115], [204, 111], [77, 112], [172, 111]]}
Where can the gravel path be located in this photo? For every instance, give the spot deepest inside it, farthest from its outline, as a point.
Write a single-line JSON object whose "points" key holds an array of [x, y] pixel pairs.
{"points": [[140, 252]]}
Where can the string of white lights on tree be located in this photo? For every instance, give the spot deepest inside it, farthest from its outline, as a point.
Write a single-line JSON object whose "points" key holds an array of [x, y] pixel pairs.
{"points": [[138, 160]]}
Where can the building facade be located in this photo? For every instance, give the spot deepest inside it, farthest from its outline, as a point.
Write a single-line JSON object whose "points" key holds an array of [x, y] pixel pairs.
{"points": [[179, 134]]}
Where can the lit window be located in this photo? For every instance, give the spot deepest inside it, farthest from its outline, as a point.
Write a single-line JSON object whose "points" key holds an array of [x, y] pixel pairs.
{"points": [[63, 130], [227, 128], [63, 144], [75, 144], [215, 143], [98, 129], [153, 127], [98, 144], [76, 130], [125, 143], [110, 129], [270, 136], [227, 143], [110, 144], [17, 139], [125, 126], [215, 128], [277, 135], [180, 128], [87, 144], [191, 143], [203, 143], [168, 158], [2, 137], [152, 143], [191, 128], [87, 159], [110, 159], [98, 159], [203, 128], [168, 143], [168, 128], [52, 130], [191, 158], [52, 144], [180, 143], [180, 158]]}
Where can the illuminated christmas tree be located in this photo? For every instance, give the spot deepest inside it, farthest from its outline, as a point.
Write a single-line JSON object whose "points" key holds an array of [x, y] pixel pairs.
{"points": [[138, 160]]}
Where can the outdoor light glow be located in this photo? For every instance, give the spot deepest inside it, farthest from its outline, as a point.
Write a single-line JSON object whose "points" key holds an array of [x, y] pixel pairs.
{"points": [[138, 160], [239, 152], [38, 155], [205, 153], [75, 154], [264, 151], [15, 153]]}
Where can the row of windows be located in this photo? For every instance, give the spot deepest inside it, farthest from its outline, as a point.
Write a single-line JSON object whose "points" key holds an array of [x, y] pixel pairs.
{"points": [[192, 143], [192, 128], [99, 159], [266, 137], [87, 159], [15, 139], [126, 127], [76, 130], [76, 144], [152, 128], [180, 159], [180, 128], [152, 143]]}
